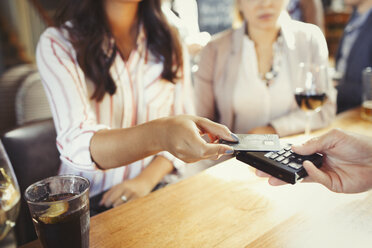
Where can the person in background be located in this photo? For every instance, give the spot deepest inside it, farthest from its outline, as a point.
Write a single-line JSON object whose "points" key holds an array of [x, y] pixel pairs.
{"points": [[310, 11], [347, 162], [215, 15], [354, 55], [184, 16], [116, 76], [247, 75]]}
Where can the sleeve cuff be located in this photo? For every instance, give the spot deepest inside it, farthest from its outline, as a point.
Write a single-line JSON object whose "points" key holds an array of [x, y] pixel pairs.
{"points": [[76, 153], [82, 167]]}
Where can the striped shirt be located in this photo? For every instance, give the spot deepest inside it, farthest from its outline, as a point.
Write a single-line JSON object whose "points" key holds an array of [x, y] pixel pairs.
{"points": [[141, 95]]}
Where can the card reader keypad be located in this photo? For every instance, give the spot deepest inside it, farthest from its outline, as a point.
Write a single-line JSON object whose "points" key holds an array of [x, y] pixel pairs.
{"points": [[287, 157], [283, 164]]}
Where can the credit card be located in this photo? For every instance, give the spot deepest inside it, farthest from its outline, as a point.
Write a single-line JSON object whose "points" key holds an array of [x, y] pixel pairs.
{"points": [[255, 142]]}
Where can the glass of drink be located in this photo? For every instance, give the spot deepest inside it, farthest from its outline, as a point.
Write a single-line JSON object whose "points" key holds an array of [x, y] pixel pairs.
{"points": [[59, 208], [9, 200], [367, 94], [311, 90]]}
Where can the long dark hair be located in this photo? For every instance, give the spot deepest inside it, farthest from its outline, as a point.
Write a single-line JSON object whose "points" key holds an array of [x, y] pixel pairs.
{"points": [[89, 28]]}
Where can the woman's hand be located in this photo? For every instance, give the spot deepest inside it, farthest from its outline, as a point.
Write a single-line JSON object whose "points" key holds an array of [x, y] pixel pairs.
{"points": [[131, 189], [140, 186], [182, 137]]}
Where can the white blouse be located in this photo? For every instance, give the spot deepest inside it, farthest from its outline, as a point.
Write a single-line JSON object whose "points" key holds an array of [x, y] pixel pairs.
{"points": [[141, 96], [254, 103], [229, 61]]}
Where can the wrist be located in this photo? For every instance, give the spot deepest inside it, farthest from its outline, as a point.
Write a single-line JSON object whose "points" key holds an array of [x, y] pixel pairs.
{"points": [[146, 182], [155, 171], [157, 134], [154, 134]]}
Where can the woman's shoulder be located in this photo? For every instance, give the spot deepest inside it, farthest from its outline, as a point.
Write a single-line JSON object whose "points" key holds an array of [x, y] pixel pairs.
{"points": [[301, 34], [225, 41], [56, 35], [305, 38], [222, 38], [301, 28]]}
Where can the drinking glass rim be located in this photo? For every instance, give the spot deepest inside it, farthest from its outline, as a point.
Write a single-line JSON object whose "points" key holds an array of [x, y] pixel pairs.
{"points": [[51, 178]]}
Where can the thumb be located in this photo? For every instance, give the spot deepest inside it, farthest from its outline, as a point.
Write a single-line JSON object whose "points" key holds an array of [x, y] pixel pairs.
{"points": [[310, 147], [318, 144], [221, 131]]}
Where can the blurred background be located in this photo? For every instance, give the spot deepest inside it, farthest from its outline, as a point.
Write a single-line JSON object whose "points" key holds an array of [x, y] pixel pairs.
{"points": [[22, 21]]}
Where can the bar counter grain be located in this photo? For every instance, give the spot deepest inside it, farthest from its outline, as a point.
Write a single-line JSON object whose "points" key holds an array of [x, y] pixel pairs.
{"points": [[228, 206]]}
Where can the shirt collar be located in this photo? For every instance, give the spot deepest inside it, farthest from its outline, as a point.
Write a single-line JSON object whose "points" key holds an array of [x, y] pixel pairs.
{"points": [[287, 34], [286, 30], [108, 43]]}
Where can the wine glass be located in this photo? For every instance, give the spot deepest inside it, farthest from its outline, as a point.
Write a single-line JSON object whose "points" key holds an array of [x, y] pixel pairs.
{"points": [[311, 90], [9, 199]]}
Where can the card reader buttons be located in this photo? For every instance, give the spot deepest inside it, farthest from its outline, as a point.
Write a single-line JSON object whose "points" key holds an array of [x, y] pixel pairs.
{"points": [[274, 156], [279, 159], [287, 154], [283, 164], [281, 152], [295, 165], [268, 155], [287, 157], [287, 148], [285, 161]]}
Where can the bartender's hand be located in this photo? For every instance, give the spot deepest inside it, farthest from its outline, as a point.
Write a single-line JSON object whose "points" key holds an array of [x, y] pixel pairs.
{"points": [[347, 162], [182, 137]]}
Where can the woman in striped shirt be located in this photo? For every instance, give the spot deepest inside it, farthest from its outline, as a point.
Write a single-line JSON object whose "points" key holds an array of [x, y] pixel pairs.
{"points": [[114, 72]]}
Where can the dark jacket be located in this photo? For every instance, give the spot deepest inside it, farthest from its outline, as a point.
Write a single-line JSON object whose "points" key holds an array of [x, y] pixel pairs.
{"points": [[350, 86]]}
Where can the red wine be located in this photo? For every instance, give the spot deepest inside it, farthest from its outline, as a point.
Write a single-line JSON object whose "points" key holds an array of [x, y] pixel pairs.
{"points": [[310, 101]]}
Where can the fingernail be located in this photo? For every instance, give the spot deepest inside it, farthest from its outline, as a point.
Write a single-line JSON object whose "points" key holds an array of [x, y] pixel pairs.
{"points": [[229, 152], [233, 135]]}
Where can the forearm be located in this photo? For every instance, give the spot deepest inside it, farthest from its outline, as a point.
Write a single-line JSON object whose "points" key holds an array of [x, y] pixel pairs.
{"points": [[156, 171], [118, 147], [179, 135]]}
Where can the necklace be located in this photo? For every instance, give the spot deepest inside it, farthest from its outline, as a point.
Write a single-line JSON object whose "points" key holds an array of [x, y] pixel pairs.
{"points": [[269, 77]]}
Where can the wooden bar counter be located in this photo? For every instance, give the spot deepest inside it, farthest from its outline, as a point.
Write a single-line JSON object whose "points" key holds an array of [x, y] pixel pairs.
{"points": [[228, 206]]}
